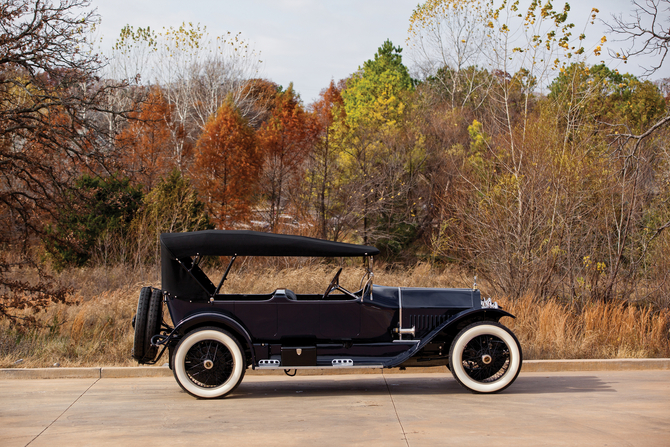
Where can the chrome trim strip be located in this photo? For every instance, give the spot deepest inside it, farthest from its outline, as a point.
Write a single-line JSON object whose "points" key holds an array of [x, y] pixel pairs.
{"points": [[400, 331], [369, 366]]}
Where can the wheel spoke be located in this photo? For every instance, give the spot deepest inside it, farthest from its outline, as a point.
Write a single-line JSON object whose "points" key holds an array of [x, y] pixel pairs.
{"points": [[218, 354], [481, 347]]}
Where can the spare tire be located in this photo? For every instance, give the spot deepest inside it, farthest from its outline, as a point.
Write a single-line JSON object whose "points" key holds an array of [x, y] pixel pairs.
{"points": [[139, 341], [154, 320]]}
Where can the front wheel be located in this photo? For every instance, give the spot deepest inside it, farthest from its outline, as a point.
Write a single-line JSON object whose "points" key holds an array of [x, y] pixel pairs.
{"points": [[485, 357], [208, 363]]}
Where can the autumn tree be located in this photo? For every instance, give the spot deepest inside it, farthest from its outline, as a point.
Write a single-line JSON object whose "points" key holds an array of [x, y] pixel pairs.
{"points": [[226, 166], [285, 140], [373, 105], [323, 169], [145, 144], [196, 71], [375, 148], [50, 103], [633, 216], [555, 195], [48, 98], [259, 96], [511, 192], [200, 72], [605, 95], [632, 115]]}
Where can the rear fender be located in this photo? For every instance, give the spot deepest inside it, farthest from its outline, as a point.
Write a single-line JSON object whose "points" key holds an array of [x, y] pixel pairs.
{"points": [[220, 320]]}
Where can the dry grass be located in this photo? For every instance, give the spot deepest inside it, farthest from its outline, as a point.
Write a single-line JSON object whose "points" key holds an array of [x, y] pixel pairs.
{"points": [[97, 331], [551, 330]]}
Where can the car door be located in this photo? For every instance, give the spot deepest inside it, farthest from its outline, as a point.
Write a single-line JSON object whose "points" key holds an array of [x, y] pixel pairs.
{"points": [[339, 319], [297, 319], [317, 318]]}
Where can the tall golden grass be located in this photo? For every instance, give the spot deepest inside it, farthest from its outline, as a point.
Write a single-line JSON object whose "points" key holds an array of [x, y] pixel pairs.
{"points": [[553, 330], [97, 330]]}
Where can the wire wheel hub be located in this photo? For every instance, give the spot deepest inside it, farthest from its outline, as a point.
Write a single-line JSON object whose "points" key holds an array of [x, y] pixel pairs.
{"points": [[209, 363], [486, 358]]}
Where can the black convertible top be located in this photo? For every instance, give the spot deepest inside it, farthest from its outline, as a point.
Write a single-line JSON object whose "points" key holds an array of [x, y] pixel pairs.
{"points": [[254, 243]]}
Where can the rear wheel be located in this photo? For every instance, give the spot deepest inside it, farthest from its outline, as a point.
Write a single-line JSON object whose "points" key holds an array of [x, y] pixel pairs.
{"points": [[485, 357], [208, 363]]}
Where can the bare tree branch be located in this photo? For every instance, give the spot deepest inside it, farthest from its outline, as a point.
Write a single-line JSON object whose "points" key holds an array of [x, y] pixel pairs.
{"points": [[647, 29]]}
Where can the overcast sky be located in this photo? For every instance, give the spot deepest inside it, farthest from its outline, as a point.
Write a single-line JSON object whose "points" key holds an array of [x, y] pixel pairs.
{"points": [[310, 42]]}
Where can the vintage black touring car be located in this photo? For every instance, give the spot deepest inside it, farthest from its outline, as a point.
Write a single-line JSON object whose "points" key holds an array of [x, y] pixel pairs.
{"points": [[215, 336]]}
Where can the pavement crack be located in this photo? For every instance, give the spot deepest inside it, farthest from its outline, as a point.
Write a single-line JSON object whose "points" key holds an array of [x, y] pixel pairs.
{"points": [[394, 409], [65, 411]]}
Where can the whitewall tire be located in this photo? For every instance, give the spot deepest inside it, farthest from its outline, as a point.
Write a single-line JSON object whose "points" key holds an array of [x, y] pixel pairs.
{"points": [[485, 357], [208, 363]]}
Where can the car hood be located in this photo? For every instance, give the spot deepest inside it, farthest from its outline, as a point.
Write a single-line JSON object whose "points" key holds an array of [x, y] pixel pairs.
{"points": [[428, 298]]}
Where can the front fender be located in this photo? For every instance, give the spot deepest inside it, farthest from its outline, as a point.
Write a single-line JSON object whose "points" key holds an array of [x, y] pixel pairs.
{"points": [[454, 323], [489, 314], [216, 319]]}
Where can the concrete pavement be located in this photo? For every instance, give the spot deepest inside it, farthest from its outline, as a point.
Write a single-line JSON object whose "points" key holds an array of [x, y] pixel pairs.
{"points": [[614, 408]]}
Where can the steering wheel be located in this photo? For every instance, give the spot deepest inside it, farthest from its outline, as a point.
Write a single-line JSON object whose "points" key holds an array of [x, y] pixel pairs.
{"points": [[334, 284]]}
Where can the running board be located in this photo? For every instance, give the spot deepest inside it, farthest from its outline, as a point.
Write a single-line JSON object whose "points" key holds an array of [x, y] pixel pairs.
{"points": [[335, 364]]}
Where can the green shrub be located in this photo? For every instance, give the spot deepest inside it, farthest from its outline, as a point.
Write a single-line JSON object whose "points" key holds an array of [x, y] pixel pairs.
{"points": [[95, 206]]}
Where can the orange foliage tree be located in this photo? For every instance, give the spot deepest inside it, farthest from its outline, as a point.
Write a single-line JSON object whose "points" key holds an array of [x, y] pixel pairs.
{"points": [[323, 169], [286, 140], [146, 144], [258, 98], [227, 166]]}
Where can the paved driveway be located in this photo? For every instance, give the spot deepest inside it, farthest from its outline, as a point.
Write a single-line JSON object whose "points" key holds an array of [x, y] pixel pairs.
{"points": [[579, 408]]}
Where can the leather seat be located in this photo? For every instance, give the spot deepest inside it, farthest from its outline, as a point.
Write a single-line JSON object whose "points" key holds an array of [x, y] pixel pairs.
{"points": [[290, 294]]}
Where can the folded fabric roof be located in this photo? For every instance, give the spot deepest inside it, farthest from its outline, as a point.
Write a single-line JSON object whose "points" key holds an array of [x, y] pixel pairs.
{"points": [[254, 243]]}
